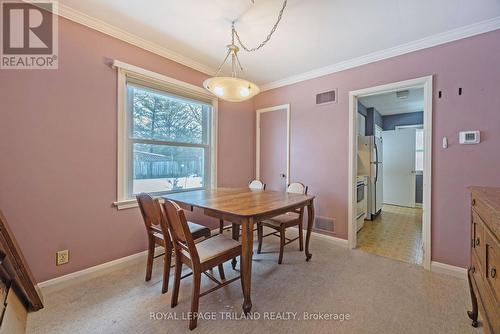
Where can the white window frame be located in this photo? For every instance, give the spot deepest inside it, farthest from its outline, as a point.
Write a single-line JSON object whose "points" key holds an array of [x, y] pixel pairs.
{"points": [[417, 127], [172, 86]]}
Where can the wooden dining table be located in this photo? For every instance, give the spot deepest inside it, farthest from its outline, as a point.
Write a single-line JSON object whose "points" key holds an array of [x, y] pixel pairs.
{"points": [[245, 207]]}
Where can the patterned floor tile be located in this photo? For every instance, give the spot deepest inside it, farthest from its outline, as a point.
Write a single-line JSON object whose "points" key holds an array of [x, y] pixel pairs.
{"points": [[396, 233]]}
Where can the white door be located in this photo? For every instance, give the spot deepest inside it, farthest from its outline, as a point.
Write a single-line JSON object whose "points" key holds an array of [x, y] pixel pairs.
{"points": [[399, 167], [273, 150]]}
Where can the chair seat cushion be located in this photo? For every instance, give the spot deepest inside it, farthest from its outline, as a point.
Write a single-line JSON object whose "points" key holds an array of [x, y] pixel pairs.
{"points": [[216, 246], [198, 231], [289, 218]]}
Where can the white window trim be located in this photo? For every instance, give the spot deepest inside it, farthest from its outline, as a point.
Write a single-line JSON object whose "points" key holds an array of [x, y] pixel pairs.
{"points": [[417, 127], [125, 70]]}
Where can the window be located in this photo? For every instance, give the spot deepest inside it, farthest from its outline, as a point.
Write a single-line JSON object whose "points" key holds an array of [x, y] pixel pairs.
{"points": [[419, 145], [166, 135], [419, 150], [170, 141]]}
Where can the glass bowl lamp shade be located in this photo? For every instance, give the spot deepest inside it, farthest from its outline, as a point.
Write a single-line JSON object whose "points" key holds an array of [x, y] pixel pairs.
{"points": [[231, 89]]}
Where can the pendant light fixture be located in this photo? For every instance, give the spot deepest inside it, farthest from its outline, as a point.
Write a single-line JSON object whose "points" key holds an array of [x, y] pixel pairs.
{"points": [[234, 88]]}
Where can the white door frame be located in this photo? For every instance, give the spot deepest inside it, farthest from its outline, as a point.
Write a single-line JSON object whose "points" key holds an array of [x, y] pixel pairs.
{"points": [[285, 107], [426, 84]]}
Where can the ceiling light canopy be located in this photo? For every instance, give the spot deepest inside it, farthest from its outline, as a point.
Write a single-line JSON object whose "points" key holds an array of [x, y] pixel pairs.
{"points": [[234, 88]]}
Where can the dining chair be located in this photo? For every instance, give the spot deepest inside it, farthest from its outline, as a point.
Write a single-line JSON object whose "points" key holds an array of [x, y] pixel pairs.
{"points": [[152, 215], [256, 185], [200, 257], [280, 223]]}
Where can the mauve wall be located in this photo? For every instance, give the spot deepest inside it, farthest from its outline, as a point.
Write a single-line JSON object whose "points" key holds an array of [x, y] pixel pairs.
{"points": [[58, 149], [319, 134]]}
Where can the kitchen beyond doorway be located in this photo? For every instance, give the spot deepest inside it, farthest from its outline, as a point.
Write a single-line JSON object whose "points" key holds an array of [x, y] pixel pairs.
{"points": [[403, 90]]}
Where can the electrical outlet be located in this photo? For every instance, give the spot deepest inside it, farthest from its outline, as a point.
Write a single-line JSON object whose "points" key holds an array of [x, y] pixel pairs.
{"points": [[62, 257]]}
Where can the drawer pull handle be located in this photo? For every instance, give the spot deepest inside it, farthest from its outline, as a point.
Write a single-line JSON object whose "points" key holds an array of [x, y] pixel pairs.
{"points": [[477, 241], [473, 201], [493, 272], [473, 269]]}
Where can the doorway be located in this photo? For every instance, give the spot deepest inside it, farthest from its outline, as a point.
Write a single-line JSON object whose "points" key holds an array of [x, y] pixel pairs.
{"points": [[391, 156], [273, 147]]}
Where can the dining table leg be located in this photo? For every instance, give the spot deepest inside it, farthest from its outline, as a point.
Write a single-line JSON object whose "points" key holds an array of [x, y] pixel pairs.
{"points": [[310, 223], [246, 261], [236, 236]]}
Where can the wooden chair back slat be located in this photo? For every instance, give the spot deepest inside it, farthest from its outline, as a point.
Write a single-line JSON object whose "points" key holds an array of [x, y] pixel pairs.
{"points": [[150, 210], [157, 231], [179, 230], [154, 218]]}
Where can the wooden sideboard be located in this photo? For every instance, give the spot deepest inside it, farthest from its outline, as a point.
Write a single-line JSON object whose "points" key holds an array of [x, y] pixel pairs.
{"points": [[484, 271]]}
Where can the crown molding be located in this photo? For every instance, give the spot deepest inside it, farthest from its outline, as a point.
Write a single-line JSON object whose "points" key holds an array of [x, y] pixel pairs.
{"points": [[123, 35], [424, 43]]}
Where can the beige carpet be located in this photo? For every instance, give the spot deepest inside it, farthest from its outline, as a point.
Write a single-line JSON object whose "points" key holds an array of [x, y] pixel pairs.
{"points": [[380, 295]]}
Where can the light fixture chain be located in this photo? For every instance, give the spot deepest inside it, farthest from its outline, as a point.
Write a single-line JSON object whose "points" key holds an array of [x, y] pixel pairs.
{"points": [[264, 42]]}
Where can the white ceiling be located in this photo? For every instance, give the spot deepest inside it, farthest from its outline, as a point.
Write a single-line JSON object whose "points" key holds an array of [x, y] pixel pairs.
{"points": [[313, 33], [389, 104]]}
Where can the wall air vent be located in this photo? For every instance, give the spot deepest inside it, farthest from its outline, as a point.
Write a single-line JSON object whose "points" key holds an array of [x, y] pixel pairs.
{"points": [[324, 224], [326, 97], [402, 94]]}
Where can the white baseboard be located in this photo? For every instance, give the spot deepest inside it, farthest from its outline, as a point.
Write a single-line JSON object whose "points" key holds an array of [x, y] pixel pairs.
{"points": [[85, 274], [447, 269], [334, 240]]}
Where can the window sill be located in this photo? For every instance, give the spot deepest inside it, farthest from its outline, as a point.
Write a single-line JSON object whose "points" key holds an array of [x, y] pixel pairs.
{"points": [[132, 203], [126, 204]]}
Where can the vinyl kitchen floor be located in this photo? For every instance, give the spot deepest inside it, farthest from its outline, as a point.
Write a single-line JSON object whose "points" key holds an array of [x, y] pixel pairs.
{"points": [[396, 233]]}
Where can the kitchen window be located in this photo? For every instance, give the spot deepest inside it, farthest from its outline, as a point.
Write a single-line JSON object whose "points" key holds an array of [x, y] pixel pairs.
{"points": [[419, 150], [166, 135]]}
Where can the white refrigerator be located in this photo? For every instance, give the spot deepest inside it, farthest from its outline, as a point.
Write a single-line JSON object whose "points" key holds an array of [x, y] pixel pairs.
{"points": [[370, 163]]}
